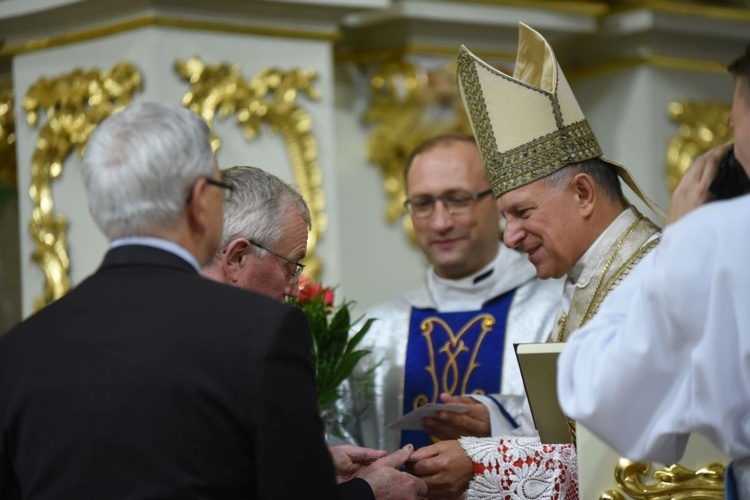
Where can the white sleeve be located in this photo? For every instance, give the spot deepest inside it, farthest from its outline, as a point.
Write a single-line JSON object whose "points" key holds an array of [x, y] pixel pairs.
{"points": [[648, 369], [501, 422], [615, 373]]}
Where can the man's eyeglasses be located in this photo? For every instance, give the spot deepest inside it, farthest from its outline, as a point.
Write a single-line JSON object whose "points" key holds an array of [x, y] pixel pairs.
{"points": [[227, 189], [457, 202], [297, 269]]}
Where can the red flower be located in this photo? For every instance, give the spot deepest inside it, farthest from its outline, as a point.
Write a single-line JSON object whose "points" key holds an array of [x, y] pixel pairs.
{"points": [[310, 291], [334, 338]]}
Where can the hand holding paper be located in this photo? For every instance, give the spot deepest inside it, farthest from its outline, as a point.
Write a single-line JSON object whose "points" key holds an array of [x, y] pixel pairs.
{"points": [[413, 420], [475, 421]]}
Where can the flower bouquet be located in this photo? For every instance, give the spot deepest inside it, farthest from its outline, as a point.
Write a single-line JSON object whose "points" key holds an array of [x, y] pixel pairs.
{"points": [[334, 342]]}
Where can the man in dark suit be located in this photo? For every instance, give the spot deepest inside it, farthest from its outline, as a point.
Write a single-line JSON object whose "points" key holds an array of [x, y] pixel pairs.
{"points": [[266, 224], [148, 380]]}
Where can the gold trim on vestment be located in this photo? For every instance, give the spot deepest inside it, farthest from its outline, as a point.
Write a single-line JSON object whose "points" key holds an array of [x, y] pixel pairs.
{"points": [[452, 348]]}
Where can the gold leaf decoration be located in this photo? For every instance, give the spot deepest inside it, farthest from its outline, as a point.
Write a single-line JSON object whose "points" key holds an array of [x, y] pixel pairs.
{"points": [[703, 125], [675, 482], [8, 178], [269, 97], [409, 104], [74, 104]]}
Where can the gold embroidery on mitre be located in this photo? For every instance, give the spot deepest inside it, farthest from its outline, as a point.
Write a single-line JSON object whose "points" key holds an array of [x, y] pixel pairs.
{"points": [[452, 349], [535, 159]]}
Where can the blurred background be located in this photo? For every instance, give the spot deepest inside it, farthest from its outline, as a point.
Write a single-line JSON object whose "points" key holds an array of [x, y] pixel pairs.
{"points": [[330, 95]]}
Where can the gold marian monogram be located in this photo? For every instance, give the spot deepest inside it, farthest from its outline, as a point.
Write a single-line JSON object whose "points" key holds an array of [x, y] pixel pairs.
{"points": [[452, 348]]}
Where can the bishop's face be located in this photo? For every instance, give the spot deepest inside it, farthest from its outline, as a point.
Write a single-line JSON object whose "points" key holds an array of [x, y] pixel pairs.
{"points": [[545, 224]]}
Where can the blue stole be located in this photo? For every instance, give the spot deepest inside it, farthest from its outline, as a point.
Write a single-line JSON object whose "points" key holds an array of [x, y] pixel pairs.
{"points": [[457, 353]]}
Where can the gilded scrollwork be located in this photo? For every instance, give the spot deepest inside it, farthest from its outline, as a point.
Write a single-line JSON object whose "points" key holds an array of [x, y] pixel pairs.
{"points": [[269, 97], [703, 125], [436, 330], [74, 104], [409, 103], [674, 482], [7, 141]]}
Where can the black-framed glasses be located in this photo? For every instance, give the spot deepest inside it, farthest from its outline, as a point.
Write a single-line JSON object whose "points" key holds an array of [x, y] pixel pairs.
{"points": [[457, 202], [226, 189], [298, 267]]}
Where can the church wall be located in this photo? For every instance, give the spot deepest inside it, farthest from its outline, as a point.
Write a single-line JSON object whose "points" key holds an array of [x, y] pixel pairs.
{"points": [[154, 51], [629, 113], [377, 258]]}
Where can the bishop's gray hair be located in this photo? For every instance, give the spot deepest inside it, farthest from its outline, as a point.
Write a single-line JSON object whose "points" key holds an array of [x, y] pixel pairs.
{"points": [[140, 164], [604, 176], [258, 206]]}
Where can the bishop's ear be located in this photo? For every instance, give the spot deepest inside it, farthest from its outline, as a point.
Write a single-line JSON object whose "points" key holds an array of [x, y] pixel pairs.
{"points": [[585, 193]]}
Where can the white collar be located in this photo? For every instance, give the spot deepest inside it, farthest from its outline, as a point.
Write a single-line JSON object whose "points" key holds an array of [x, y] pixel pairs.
{"points": [[593, 260], [508, 270]]}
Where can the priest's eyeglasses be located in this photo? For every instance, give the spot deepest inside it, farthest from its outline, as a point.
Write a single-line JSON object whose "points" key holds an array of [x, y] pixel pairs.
{"points": [[293, 275], [457, 202]]}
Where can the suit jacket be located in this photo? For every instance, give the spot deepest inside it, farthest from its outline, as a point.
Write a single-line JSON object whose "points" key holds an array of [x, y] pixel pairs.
{"points": [[149, 381]]}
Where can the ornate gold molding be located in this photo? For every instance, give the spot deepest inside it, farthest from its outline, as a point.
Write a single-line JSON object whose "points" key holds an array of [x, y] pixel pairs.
{"points": [[583, 7], [653, 61], [269, 97], [703, 125], [74, 104], [8, 166], [675, 482], [725, 10], [162, 21], [409, 103]]}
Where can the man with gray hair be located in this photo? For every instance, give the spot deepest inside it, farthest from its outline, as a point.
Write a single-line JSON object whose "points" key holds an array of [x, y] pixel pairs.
{"points": [[147, 380], [265, 236]]}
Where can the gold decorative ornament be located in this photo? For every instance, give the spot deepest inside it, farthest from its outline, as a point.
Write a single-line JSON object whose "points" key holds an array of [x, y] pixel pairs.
{"points": [[74, 104], [441, 340], [269, 97], [675, 482], [409, 104], [703, 125], [7, 140]]}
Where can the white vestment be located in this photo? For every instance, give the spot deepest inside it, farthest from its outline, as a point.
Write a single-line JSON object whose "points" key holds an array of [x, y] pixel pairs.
{"points": [[668, 353], [530, 319]]}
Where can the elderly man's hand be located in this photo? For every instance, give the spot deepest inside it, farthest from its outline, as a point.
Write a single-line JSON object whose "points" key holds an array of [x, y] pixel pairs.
{"points": [[445, 468], [692, 191], [451, 425], [388, 482], [348, 460]]}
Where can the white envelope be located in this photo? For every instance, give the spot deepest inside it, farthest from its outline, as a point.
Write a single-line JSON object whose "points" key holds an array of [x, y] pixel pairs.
{"points": [[413, 419]]}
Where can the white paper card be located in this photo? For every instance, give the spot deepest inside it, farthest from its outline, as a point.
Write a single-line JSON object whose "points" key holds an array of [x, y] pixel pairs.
{"points": [[413, 419]]}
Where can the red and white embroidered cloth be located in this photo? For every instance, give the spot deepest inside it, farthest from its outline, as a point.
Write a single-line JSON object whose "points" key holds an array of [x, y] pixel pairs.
{"points": [[521, 469]]}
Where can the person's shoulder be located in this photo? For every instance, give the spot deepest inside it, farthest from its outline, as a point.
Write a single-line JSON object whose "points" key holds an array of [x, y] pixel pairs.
{"points": [[714, 218], [242, 300], [415, 295], [387, 307]]}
